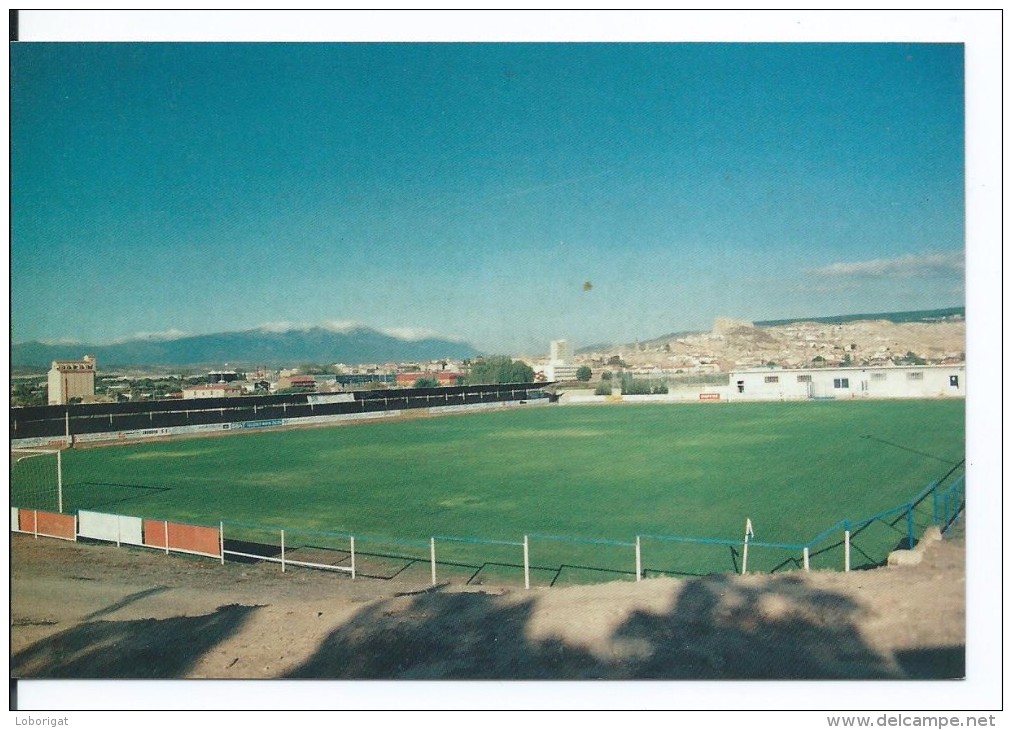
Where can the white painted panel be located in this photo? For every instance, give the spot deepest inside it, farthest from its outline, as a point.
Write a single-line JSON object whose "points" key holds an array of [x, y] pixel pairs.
{"points": [[14, 519], [130, 530], [98, 526]]}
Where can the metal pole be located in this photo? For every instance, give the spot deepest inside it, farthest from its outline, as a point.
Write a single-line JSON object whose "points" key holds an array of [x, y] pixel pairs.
{"points": [[432, 558], [221, 540], [353, 558], [846, 551], [639, 561], [282, 551], [59, 481], [744, 557], [166, 537], [527, 565], [804, 557], [35, 514]]}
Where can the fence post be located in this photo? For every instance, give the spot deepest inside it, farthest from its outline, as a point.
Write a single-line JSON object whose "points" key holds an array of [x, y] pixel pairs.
{"points": [[432, 557], [910, 526], [639, 560], [59, 475], [804, 557], [282, 551], [353, 557], [221, 540], [846, 550], [527, 565], [35, 521], [166, 536]]}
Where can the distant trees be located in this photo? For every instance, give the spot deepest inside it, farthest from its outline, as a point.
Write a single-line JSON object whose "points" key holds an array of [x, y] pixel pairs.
{"points": [[911, 358], [29, 393], [583, 373], [631, 385], [639, 386], [427, 383], [499, 369]]}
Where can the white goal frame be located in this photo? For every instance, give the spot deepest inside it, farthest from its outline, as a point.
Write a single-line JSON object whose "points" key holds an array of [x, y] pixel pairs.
{"points": [[18, 455]]}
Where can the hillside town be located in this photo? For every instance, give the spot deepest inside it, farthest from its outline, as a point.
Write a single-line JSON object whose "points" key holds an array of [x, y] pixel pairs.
{"points": [[735, 344], [731, 345]]}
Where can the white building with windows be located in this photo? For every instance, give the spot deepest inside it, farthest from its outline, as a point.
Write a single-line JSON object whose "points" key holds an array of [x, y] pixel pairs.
{"points": [[558, 366], [212, 390], [899, 381]]}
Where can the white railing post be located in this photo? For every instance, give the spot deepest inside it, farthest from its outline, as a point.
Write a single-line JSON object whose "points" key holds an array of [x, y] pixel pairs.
{"points": [[221, 540], [639, 561], [846, 551], [166, 537], [282, 551], [804, 557], [353, 557], [527, 565], [59, 479], [432, 558]]}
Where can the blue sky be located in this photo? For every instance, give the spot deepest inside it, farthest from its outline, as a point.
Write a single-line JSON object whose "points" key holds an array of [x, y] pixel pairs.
{"points": [[471, 190]]}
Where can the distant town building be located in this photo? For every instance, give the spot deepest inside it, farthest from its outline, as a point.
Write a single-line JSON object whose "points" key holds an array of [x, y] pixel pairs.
{"points": [[72, 380], [442, 376], [353, 379], [212, 390], [222, 376], [899, 381], [289, 381], [560, 352], [558, 366]]}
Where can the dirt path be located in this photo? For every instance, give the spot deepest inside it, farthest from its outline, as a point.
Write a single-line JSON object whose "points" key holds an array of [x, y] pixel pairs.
{"points": [[97, 611]]}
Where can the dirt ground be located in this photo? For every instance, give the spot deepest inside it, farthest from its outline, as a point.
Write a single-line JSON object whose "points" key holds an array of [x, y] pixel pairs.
{"points": [[98, 611]]}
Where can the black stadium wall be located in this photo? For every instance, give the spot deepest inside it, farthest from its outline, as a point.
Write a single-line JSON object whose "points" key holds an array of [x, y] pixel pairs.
{"points": [[60, 425]]}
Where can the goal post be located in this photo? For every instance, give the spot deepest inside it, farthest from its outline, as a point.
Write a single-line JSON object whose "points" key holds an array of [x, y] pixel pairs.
{"points": [[37, 479]]}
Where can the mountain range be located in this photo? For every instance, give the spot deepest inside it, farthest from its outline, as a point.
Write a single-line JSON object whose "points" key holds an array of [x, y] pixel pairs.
{"points": [[293, 346]]}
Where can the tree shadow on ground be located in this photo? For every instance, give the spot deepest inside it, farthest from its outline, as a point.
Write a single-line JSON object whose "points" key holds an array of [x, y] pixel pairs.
{"points": [[719, 627], [137, 649]]}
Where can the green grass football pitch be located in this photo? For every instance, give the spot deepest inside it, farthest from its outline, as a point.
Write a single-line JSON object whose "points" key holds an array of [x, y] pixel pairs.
{"points": [[606, 473]]}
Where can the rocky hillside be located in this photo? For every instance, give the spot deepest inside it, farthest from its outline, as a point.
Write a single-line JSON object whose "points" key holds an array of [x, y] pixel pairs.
{"points": [[735, 344]]}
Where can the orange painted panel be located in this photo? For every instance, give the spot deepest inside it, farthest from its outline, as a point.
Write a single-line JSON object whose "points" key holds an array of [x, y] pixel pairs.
{"points": [[195, 539], [26, 520], [154, 533], [57, 525]]}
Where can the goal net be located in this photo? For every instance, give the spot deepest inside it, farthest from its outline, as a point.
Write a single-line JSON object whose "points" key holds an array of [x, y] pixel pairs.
{"points": [[37, 479]]}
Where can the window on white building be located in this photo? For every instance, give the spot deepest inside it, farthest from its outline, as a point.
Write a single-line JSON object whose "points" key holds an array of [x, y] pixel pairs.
{"points": [[772, 378], [804, 378], [841, 382], [915, 376]]}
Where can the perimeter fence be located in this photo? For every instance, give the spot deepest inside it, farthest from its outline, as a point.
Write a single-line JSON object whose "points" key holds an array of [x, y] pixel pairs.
{"points": [[532, 559]]}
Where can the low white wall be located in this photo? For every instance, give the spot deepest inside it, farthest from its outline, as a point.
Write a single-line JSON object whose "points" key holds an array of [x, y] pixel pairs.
{"points": [[111, 528]]}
